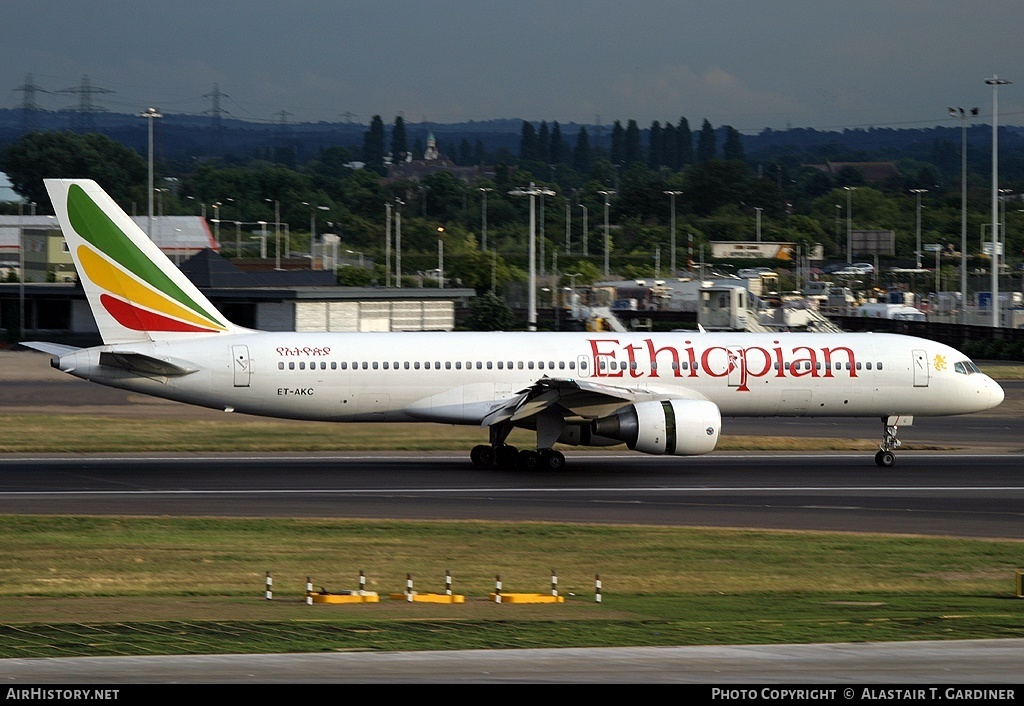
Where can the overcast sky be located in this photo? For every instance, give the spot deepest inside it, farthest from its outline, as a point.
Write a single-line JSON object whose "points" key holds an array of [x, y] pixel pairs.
{"points": [[751, 64]]}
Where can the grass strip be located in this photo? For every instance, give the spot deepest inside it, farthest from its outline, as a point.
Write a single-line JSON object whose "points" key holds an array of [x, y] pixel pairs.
{"points": [[112, 585], [34, 434]]}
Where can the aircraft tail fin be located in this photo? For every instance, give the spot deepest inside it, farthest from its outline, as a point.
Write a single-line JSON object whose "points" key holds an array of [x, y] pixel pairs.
{"points": [[136, 293]]}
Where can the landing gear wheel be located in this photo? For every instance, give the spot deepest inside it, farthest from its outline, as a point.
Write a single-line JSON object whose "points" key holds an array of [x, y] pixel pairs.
{"points": [[506, 456], [528, 460], [885, 458], [482, 456], [552, 460]]}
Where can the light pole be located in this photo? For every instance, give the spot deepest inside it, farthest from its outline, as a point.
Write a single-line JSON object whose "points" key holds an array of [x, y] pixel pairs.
{"points": [[277, 232], [532, 191], [331, 239], [541, 234], [440, 259], [387, 245], [607, 193], [586, 247], [263, 239], [312, 221], [160, 226], [1004, 194], [917, 252], [962, 114], [849, 224], [483, 217], [672, 250], [758, 229], [150, 114], [398, 242], [216, 222], [21, 268], [568, 225], [572, 299], [995, 82]]}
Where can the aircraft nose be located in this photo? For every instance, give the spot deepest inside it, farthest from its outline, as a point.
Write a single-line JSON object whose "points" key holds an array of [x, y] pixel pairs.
{"points": [[995, 393]]}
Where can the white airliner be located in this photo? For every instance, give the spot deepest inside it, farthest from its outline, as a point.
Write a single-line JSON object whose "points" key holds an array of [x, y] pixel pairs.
{"points": [[659, 393]]}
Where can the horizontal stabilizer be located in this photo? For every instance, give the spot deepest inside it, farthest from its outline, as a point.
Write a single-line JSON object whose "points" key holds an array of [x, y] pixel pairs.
{"points": [[51, 348], [143, 364]]}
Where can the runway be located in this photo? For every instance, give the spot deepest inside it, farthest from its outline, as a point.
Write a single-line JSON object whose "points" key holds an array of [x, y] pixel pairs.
{"points": [[979, 495]]}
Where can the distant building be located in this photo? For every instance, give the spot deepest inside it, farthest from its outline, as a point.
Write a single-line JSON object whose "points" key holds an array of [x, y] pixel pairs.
{"points": [[433, 161], [180, 237], [269, 300]]}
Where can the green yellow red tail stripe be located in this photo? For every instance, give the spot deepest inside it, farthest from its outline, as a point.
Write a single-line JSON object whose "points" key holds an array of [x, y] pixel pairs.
{"points": [[135, 291]]}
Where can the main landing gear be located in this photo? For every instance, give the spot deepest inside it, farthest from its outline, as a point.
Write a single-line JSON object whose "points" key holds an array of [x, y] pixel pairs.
{"points": [[498, 453], [504, 456], [885, 458]]}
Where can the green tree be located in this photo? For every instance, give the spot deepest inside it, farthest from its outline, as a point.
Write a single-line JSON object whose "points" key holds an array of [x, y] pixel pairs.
{"points": [[633, 149], [587, 272], [640, 193], [373, 145], [332, 162], [669, 147], [527, 142], [715, 184], [399, 140], [489, 312], [465, 153], [707, 149], [732, 148], [559, 151], [543, 143], [444, 195], [684, 143], [581, 157], [655, 146], [47, 155], [618, 151], [355, 277]]}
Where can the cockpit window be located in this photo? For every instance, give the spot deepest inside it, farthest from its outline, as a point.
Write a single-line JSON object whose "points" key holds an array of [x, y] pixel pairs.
{"points": [[966, 367]]}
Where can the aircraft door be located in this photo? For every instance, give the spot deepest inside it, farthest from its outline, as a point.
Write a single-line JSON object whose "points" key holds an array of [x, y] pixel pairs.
{"points": [[242, 365], [920, 369]]}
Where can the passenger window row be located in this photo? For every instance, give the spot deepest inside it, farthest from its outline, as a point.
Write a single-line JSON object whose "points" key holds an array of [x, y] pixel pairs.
{"points": [[537, 365]]}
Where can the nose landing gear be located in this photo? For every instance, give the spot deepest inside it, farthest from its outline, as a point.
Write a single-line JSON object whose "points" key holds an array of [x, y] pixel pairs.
{"points": [[885, 458]]}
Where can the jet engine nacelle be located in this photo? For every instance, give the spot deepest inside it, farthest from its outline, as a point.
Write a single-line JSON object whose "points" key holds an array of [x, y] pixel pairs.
{"points": [[675, 427]]}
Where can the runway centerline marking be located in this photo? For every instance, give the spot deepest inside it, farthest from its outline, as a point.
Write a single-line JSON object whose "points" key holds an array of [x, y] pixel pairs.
{"points": [[494, 491]]}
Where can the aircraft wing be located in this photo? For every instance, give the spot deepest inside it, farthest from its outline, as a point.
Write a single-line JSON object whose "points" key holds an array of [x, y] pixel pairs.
{"points": [[572, 397]]}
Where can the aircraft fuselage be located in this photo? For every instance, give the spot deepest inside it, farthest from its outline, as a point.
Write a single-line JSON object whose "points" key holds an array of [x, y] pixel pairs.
{"points": [[457, 378]]}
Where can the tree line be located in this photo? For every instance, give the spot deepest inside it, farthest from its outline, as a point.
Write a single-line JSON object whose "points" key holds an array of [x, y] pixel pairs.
{"points": [[721, 191]]}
